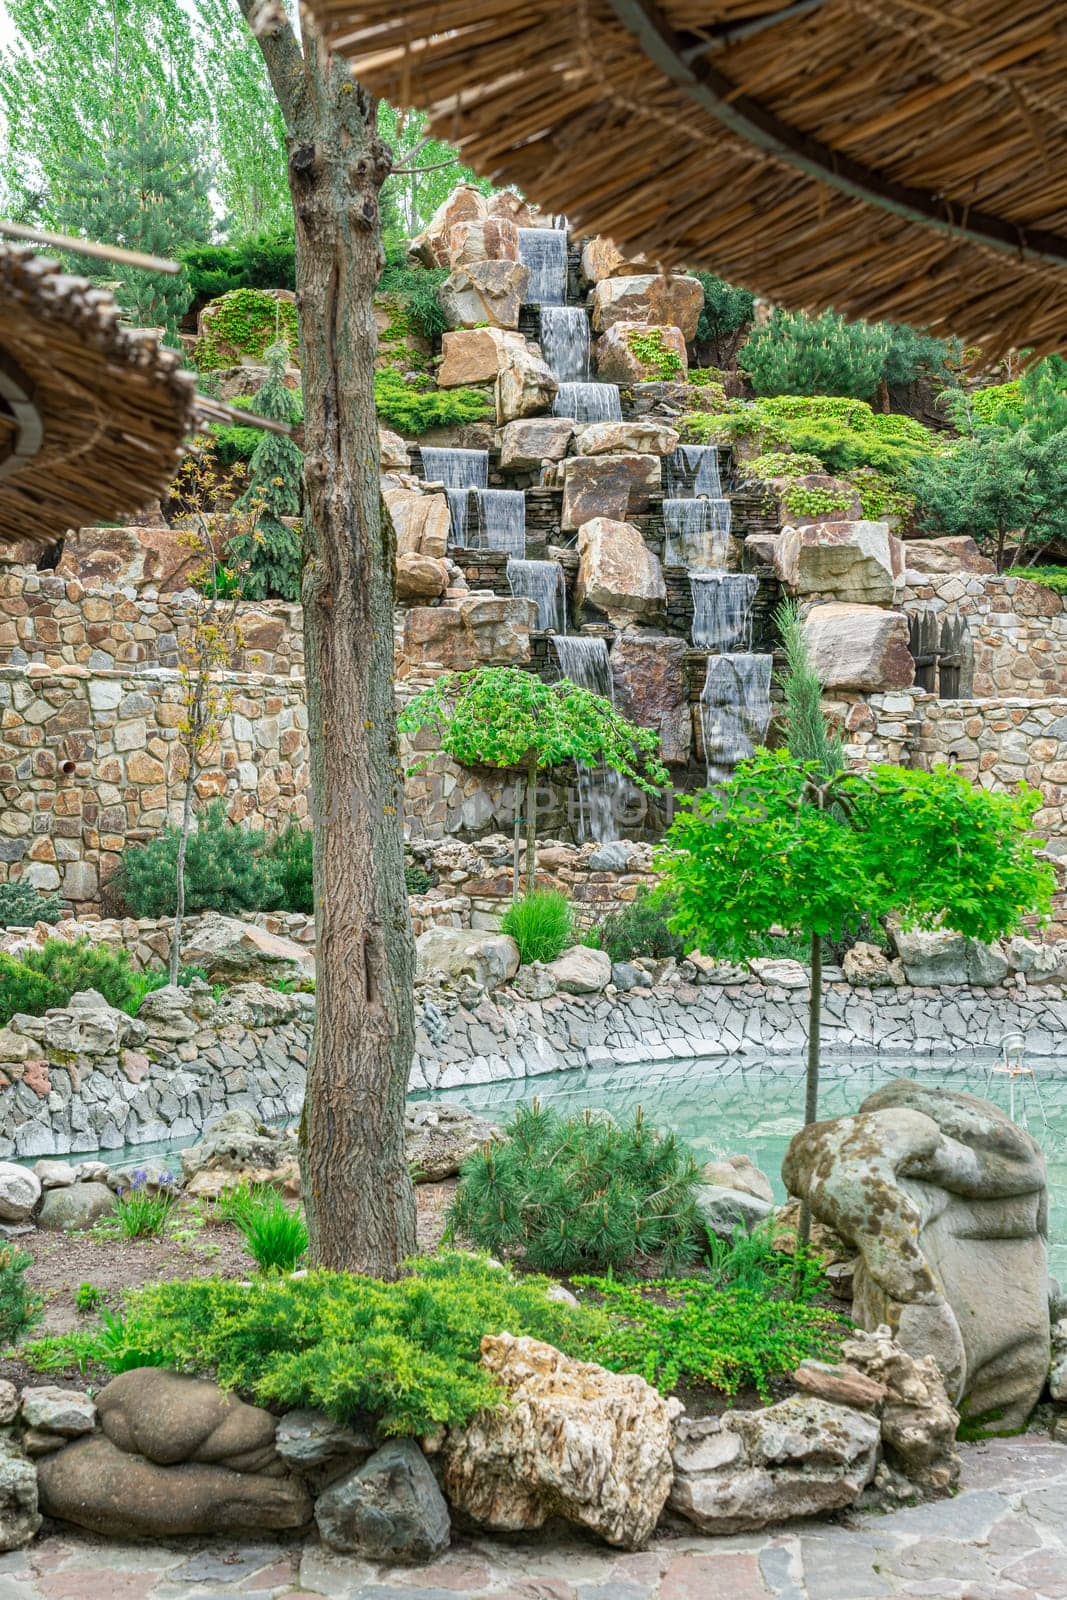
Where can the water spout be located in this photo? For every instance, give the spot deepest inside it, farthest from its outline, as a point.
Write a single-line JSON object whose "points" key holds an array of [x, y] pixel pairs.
{"points": [[588, 402], [691, 470]]}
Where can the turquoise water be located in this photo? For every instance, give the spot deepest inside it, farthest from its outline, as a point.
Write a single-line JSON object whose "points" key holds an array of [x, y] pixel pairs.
{"points": [[752, 1105]]}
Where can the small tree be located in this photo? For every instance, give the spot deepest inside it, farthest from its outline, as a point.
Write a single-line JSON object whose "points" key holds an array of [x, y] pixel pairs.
{"points": [[505, 717], [269, 552], [783, 843]]}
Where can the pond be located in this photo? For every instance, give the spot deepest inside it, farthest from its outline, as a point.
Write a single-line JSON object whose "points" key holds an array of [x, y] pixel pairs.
{"points": [[756, 1105]]}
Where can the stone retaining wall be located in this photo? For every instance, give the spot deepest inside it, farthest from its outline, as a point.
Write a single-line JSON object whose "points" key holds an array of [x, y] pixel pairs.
{"points": [[1017, 630]]}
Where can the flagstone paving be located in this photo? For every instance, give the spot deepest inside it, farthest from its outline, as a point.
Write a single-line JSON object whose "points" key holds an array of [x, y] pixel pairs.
{"points": [[1002, 1537]]}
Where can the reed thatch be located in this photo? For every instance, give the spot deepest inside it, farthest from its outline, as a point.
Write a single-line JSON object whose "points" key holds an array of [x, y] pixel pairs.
{"points": [[92, 414], [899, 159]]}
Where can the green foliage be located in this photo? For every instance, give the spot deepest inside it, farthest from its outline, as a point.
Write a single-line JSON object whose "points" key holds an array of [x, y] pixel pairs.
{"points": [[793, 353], [779, 845], [40, 979], [410, 197], [841, 435], [269, 554], [659, 360], [227, 868], [726, 309], [499, 716], [1054, 578], [806, 500], [290, 853], [267, 261], [20, 1308], [408, 1351], [783, 464], [753, 1262], [415, 289], [807, 734], [540, 924], [732, 1339], [640, 928], [87, 1297], [276, 1237], [413, 409], [21, 905], [247, 321], [999, 403], [416, 879], [579, 1193], [142, 1212]]}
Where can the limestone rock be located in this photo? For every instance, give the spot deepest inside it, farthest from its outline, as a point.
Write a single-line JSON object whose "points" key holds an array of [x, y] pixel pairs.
{"points": [[489, 958], [738, 1172], [482, 239], [919, 1422], [945, 1200], [420, 577], [534, 982], [525, 385], [526, 443], [651, 686], [475, 355], [75, 1208], [389, 1509], [95, 1485], [392, 451], [721, 1211], [781, 971], [615, 486], [229, 949], [432, 245], [617, 572], [65, 1411], [858, 562], [440, 1137], [581, 970], [238, 1142], [121, 556], [484, 291], [170, 1014], [1057, 1379], [575, 1441], [672, 300], [859, 647], [168, 1418], [840, 1384], [603, 259], [20, 1190], [86, 1026], [421, 521], [935, 956], [619, 358], [9, 1402], [799, 1458], [870, 968], [642, 437], [483, 630], [19, 1516], [943, 556]]}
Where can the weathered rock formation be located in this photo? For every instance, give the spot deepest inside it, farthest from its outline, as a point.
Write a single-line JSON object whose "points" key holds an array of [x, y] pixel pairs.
{"points": [[652, 689], [619, 357], [670, 300], [529, 442], [858, 562], [484, 291], [859, 646], [614, 486], [617, 572]]}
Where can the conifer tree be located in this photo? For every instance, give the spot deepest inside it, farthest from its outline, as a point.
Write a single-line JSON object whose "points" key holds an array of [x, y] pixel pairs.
{"points": [[270, 553]]}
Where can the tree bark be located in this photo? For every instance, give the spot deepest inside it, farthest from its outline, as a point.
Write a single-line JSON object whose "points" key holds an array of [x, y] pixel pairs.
{"points": [[358, 1195], [179, 887], [811, 1084], [531, 822]]}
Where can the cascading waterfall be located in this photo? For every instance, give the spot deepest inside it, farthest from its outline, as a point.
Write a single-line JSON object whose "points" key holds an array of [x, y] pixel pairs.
{"points": [[601, 792], [722, 609], [502, 520], [544, 583], [565, 342], [693, 469], [697, 534], [460, 471], [544, 251], [588, 402], [735, 710]]}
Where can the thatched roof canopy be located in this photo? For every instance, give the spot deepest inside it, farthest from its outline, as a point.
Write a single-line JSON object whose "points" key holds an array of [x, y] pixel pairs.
{"points": [[900, 159], [92, 414]]}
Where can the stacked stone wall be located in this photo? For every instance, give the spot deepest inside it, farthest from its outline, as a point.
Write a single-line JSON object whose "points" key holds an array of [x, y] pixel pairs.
{"points": [[1017, 630]]}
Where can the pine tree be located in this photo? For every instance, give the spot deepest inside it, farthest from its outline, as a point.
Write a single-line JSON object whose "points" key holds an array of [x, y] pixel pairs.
{"points": [[150, 195], [270, 554], [806, 731]]}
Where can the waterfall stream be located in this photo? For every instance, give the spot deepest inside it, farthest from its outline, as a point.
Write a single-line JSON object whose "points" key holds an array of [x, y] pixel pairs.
{"points": [[502, 520], [588, 402], [722, 609], [544, 583], [696, 534], [565, 342], [460, 471], [602, 793], [544, 251], [735, 710]]}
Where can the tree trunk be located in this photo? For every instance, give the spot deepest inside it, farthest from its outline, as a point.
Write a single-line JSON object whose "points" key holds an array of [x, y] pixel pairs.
{"points": [[179, 887], [358, 1195], [531, 821], [811, 1085]]}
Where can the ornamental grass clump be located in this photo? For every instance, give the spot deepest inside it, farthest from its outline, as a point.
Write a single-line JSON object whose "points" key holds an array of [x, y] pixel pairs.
{"points": [[541, 925], [582, 1193]]}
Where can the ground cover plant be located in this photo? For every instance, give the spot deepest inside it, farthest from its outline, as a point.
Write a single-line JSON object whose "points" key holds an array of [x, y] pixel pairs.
{"points": [[541, 925], [21, 905]]}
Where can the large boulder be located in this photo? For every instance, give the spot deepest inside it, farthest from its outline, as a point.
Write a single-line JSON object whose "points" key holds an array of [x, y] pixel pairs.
{"points": [[573, 1441], [638, 352], [942, 557], [652, 688], [75, 1208], [482, 239], [859, 647], [67, 1412], [661, 299], [859, 562], [738, 1172], [581, 970], [721, 1210], [489, 958], [393, 453], [122, 556], [420, 577], [945, 1200], [617, 486], [86, 1026], [932, 957], [870, 968], [432, 246], [421, 520], [238, 1142], [229, 949], [525, 385], [388, 1509], [439, 1137], [19, 1516], [475, 355], [617, 572], [484, 291], [168, 1417], [482, 631], [601, 258], [20, 1190], [528, 442], [645, 436], [799, 1458]]}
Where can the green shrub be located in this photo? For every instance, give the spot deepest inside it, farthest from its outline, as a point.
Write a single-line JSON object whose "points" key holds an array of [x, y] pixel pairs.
{"points": [[541, 925], [416, 289], [753, 1262], [1054, 578], [1000, 403], [416, 879], [290, 853], [579, 1193], [38, 980], [639, 928], [414, 408], [20, 1308], [842, 435], [267, 261], [793, 353], [227, 868], [659, 360], [234, 443], [87, 1297], [248, 320], [142, 1213], [21, 905], [276, 1237], [726, 309], [730, 1339]]}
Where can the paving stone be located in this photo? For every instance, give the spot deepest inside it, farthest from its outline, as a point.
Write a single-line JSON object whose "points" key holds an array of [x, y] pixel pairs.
{"points": [[696, 1577], [967, 1516], [936, 1558], [1044, 1570], [455, 1572], [844, 1566], [227, 1566]]}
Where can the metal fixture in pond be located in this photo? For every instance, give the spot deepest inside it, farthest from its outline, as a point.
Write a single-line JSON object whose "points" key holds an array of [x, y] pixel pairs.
{"points": [[1013, 1065]]}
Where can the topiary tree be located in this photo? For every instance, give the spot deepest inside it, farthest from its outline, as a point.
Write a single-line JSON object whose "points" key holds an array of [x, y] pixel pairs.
{"points": [[785, 843], [269, 552], [505, 717]]}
